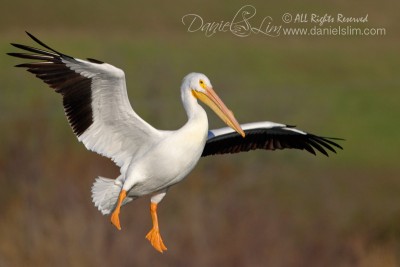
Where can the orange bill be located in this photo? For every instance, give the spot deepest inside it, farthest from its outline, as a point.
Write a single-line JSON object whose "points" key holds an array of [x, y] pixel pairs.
{"points": [[211, 99]]}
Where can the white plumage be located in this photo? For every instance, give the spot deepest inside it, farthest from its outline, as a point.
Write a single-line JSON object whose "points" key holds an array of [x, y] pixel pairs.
{"points": [[117, 131], [150, 160]]}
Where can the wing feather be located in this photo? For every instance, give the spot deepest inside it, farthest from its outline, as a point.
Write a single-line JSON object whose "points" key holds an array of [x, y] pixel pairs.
{"points": [[269, 136], [95, 101]]}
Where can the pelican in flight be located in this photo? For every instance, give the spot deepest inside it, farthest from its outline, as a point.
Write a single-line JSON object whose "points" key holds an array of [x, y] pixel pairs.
{"points": [[96, 104]]}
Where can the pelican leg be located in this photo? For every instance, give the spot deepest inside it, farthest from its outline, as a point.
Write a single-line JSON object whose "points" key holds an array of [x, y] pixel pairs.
{"points": [[115, 214], [154, 235]]}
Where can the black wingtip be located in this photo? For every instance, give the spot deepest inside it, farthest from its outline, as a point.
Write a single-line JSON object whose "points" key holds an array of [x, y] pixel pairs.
{"points": [[329, 140], [41, 43], [16, 45], [33, 37], [46, 46], [92, 60]]}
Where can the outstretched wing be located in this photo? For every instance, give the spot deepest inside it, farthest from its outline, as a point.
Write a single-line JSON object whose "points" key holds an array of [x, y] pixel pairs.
{"points": [[266, 135], [95, 101]]}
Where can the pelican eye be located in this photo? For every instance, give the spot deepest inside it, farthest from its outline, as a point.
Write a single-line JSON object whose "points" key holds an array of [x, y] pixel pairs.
{"points": [[202, 84]]}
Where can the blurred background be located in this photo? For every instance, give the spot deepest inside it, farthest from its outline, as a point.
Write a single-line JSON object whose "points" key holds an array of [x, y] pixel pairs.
{"points": [[283, 208]]}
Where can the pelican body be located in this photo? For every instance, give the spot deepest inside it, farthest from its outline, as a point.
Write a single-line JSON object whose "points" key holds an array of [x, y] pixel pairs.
{"points": [[97, 107]]}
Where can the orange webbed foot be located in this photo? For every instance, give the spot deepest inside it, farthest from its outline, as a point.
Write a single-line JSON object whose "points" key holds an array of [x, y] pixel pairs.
{"points": [[154, 235], [115, 220], [155, 239], [115, 214]]}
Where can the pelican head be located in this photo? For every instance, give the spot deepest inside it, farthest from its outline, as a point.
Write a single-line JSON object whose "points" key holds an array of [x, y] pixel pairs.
{"points": [[201, 88]]}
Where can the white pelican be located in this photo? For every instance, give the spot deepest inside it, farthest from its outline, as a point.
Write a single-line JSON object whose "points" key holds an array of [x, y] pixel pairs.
{"points": [[97, 107]]}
